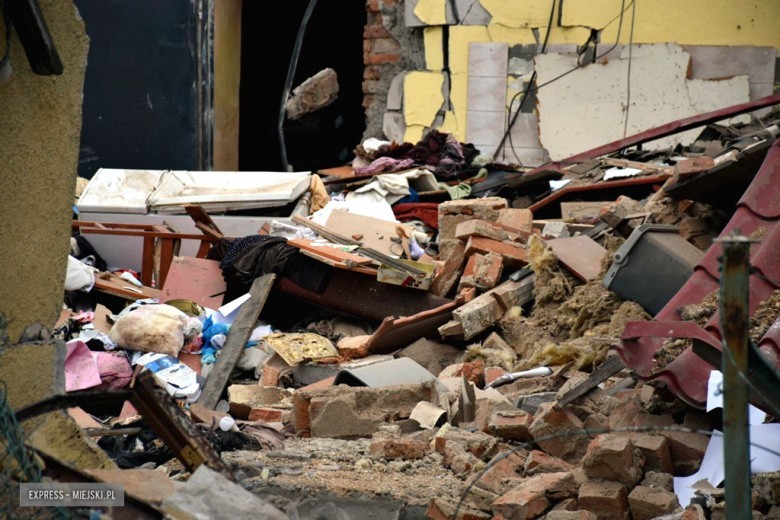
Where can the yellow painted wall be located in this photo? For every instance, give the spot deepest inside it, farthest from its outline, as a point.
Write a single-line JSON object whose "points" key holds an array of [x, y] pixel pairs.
{"points": [[690, 22]]}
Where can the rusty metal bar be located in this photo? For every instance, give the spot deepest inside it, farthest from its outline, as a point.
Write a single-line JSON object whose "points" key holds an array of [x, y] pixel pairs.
{"points": [[735, 323]]}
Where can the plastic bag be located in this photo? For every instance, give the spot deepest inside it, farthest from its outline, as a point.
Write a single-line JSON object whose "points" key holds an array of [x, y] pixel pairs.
{"points": [[151, 328]]}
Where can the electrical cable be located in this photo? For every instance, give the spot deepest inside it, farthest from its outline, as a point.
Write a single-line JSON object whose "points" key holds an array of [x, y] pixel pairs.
{"points": [[628, 74], [510, 123], [623, 8], [288, 81]]}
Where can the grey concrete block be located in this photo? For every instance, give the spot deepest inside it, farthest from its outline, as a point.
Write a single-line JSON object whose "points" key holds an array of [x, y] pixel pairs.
{"points": [[395, 94], [208, 494]]}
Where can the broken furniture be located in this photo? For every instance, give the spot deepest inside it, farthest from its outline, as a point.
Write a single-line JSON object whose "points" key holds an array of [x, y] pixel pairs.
{"points": [[165, 197], [159, 245]]}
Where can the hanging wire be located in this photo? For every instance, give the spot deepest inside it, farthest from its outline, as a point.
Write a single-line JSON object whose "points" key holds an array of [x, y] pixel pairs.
{"points": [[288, 81], [628, 74], [530, 88], [510, 122]]}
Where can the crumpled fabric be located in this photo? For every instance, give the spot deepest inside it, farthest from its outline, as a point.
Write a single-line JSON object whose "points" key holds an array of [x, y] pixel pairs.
{"points": [[460, 191], [384, 164], [427, 212], [440, 152], [390, 187], [79, 276], [250, 257], [115, 370]]}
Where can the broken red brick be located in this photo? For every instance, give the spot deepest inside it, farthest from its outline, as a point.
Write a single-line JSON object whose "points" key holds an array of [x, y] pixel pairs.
{"points": [[612, 457], [271, 376], [608, 500], [480, 228], [513, 256], [324, 383], [520, 220], [402, 448], [268, 414], [540, 462], [474, 371], [509, 467], [479, 444], [532, 496], [467, 293], [493, 373], [648, 502], [559, 433], [443, 509], [482, 271], [353, 347], [511, 425], [655, 449], [448, 274]]}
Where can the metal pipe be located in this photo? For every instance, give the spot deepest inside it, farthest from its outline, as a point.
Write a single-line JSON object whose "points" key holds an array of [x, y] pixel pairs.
{"points": [[735, 322], [288, 82]]}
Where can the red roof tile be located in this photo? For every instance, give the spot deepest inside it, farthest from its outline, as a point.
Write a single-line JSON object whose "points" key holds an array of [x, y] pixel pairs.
{"points": [[757, 215]]}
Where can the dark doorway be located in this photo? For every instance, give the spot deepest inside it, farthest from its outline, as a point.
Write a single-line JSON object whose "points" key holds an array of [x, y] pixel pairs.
{"points": [[141, 107], [333, 38]]}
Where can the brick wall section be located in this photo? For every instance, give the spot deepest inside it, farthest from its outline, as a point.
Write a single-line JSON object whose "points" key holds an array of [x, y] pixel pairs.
{"points": [[379, 48]]}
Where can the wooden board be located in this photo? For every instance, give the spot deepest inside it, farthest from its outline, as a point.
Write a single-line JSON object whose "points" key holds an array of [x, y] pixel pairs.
{"points": [[196, 279], [581, 255], [236, 340], [333, 253], [110, 283], [376, 233], [339, 265]]}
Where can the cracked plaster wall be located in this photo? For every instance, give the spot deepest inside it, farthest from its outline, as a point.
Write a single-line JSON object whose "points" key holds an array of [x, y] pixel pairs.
{"points": [[40, 125], [724, 39]]}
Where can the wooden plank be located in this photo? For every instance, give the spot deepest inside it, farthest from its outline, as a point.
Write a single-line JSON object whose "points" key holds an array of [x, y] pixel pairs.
{"points": [[236, 340], [581, 255], [203, 220], [164, 415], [196, 279], [329, 252], [110, 283], [607, 369], [339, 265], [367, 251]]}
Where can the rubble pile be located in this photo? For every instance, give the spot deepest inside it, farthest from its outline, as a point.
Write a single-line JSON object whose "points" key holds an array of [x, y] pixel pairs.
{"points": [[446, 336]]}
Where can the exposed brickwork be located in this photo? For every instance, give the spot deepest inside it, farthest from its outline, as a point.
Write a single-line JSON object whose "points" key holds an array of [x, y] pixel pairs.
{"points": [[379, 49]]}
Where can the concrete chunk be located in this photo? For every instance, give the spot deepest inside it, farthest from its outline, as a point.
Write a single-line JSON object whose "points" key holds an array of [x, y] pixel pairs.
{"points": [[207, 494]]}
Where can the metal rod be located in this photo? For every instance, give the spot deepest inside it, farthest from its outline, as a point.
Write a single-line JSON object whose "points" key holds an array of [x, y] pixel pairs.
{"points": [[735, 320]]}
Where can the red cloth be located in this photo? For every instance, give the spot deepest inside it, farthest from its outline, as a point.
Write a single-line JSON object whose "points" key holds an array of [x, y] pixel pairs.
{"points": [[428, 212]]}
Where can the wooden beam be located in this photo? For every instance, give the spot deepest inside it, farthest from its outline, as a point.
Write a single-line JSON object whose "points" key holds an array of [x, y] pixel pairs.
{"points": [[236, 339], [607, 369]]}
